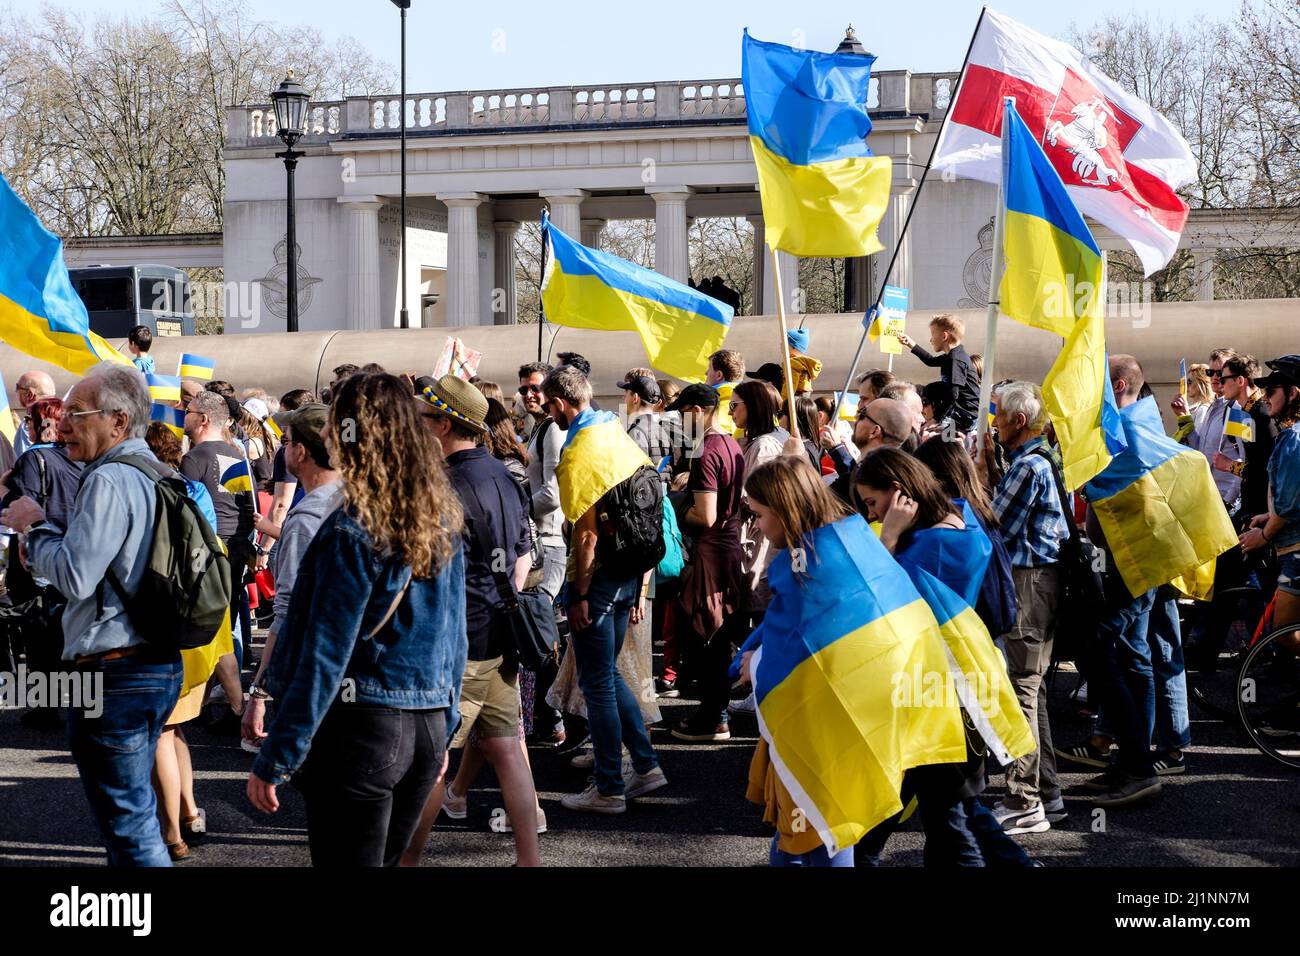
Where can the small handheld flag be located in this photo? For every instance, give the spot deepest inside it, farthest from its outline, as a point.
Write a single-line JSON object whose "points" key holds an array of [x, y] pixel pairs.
{"points": [[1239, 424], [1182, 377], [235, 477], [164, 388], [173, 418], [993, 411], [273, 428], [196, 366], [848, 406]]}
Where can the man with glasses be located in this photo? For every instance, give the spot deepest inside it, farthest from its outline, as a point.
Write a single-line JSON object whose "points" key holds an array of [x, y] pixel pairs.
{"points": [[32, 386], [110, 532], [307, 458], [1209, 439]]}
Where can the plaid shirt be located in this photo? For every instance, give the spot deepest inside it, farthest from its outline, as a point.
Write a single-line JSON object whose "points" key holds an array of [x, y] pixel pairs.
{"points": [[1029, 509]]}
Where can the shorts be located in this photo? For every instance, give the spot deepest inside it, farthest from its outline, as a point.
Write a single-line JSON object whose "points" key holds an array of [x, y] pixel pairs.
{"points": [[489, 703], [1288, 573]]}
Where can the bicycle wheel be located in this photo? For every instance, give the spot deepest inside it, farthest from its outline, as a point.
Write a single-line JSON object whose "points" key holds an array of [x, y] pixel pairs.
{"points": [[1268, 699]]}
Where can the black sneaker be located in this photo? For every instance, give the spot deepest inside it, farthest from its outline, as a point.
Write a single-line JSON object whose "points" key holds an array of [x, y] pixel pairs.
{"points": [[695, 730], [1167, 765], [666, 688], [1084, 754], [1131, 790], [1105, 781]]}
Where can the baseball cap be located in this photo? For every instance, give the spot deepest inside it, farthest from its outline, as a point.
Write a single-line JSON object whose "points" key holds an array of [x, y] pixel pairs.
{"points": [[1284, 371], [697, 395], [309, 423], [642, 386]]}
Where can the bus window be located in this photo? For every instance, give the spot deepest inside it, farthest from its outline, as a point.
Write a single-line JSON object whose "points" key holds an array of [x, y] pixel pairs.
{"points": [[155, 294], [107, 294]]}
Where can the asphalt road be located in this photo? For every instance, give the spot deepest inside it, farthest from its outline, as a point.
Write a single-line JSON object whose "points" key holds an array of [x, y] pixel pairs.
{"points": [[1233, 808]]}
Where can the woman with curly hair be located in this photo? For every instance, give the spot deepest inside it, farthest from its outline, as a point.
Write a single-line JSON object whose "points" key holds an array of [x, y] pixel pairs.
{"points": [[368, 665]]}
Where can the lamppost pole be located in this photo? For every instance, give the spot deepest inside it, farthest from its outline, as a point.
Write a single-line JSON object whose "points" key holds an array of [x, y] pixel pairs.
{"points": [[404, 320], [290, 101]]}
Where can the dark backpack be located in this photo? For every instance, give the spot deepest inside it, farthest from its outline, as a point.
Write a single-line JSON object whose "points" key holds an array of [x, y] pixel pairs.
{"points": [[996, 606], [630, 519], [185, 592]]}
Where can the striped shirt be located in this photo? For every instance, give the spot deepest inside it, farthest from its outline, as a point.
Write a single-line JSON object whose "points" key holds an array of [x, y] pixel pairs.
{"points": [[1029, 508]]}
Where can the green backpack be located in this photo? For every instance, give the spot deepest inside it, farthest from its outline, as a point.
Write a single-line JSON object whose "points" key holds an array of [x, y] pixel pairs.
{"points": [[185, 592]]}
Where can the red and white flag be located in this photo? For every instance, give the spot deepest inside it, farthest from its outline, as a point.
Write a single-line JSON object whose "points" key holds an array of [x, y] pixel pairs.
{"points": [[1120, 160]]}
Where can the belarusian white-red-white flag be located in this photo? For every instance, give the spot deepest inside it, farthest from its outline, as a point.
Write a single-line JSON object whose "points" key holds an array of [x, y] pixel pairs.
{"points": [[1120, 160]]}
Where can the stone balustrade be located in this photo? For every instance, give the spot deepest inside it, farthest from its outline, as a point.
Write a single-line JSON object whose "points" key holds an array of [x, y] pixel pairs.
{"points": [[893, 92]]}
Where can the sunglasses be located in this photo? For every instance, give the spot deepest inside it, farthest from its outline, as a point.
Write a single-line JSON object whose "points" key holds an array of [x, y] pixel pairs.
{"points": [[1227, 378], [533, 389]]}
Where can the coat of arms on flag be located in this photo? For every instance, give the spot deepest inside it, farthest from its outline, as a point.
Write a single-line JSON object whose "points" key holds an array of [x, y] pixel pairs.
{"points": [[457, 359]]}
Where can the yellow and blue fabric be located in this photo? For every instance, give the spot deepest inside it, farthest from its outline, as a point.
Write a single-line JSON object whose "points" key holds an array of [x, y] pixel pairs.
{"points": [[584, 288], [848, 406], [1054, 280], [173, 418], [823, 191], [725, 421], [1159, 508], [7, 426], [833, 658], [993, 410], [235, 476], [40, 313], [1239, 423], [597, 454], [273, 427], [947, 567], [1182, 377], [196, 366], [163, 388]]}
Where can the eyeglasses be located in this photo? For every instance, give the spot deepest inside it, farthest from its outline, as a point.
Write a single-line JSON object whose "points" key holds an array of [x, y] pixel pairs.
{"points": [[732, 406], [88, 411]]}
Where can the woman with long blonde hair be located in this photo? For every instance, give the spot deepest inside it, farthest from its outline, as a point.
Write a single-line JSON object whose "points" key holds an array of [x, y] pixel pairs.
{"points": [[367, 669]]}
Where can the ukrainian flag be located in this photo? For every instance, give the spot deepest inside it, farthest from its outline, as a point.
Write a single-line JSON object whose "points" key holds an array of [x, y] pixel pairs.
{"points": [[273, 427], [173, 418], [1054, 280], [823, 191], [1158, 506], [1239, 424], [40, 313], [842, 658], [196, 366], [163, 388], [235, 476], [596, 456], [7, 426], [587, 289], [848, 406]]}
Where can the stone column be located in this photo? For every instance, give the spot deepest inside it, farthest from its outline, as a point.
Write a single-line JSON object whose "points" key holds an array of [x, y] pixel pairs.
{"points": [[858, 278], [362, 272], [462, 257], [891, 228], [592, 231], [566, 210], [671, 255], [789, 284], [504, 304], [1203, 260], [759, 268]]}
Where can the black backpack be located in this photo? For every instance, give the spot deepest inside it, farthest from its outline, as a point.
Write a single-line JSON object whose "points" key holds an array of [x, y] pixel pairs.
{"points": [[630, 519], [185, 592], [996, 605]]}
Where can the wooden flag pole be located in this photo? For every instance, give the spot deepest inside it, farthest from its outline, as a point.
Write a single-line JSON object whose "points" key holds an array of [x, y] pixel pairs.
{"points": [[785, 348]]}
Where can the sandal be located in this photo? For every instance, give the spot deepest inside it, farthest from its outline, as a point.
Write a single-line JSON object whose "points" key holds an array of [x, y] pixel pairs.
{"points": [[194, 828]]}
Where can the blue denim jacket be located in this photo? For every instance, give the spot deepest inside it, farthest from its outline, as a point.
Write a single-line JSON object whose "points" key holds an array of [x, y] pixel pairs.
{"points": [[343, 590], [1284, 485]]}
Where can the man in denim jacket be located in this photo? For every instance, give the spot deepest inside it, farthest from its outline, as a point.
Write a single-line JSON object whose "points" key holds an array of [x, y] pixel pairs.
{"points": [[111, 528]]}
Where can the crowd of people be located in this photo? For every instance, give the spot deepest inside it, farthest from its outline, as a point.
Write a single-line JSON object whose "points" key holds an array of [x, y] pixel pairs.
{"points": [[409, 536]]}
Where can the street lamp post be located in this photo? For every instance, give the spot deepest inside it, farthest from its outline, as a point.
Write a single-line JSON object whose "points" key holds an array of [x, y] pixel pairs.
{"points": [[290, 101], [405, 318]]}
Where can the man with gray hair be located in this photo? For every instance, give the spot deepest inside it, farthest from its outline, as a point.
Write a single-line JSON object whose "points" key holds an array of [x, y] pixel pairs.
{"points": [[31, 387], [1033, 522], [109, 535]]}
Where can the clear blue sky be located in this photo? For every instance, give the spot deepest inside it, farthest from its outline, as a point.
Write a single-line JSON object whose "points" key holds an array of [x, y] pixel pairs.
{"points": [[510, 43]]}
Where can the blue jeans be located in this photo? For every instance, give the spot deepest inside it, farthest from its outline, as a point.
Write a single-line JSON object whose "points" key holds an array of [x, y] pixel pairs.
{"points": [[1124, 668], [114, 753], [813, 858], [613, 715], [1173, 728]]}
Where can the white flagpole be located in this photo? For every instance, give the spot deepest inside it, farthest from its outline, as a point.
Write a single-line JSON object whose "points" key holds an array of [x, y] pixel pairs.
{"points": [[785, 348], [995, 280]]}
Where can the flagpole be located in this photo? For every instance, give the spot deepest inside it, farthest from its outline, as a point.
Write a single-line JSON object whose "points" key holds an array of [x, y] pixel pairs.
{"points": [[995, 280], [862, 342], [785, 348], [541, 282]]}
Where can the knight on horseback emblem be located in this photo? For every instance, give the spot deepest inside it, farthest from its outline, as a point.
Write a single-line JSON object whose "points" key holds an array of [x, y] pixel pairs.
{"points": [[1085, 137]]}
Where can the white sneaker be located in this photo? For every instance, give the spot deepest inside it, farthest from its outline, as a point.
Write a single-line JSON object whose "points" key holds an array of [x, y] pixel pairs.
{"points": [[639, 784], [1021, 821], [746, 706], [592, 800], [584, 761], [1055, 810], [250, 746], [457, 808]]}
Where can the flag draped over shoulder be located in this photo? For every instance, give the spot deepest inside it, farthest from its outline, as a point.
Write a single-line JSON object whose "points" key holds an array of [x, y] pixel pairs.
{"points": [[823, 192], [1158, 507], [40, 313], [1054, 280], [596, 456], [584, 288], [836, 645]]}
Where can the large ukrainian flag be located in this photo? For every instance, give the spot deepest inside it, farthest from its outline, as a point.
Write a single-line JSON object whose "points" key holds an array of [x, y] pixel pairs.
{"points": [[1159, 508], [40, 313], [588, 289], [596, 456], [838, 642], [1054, 280], [823, 191]]}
